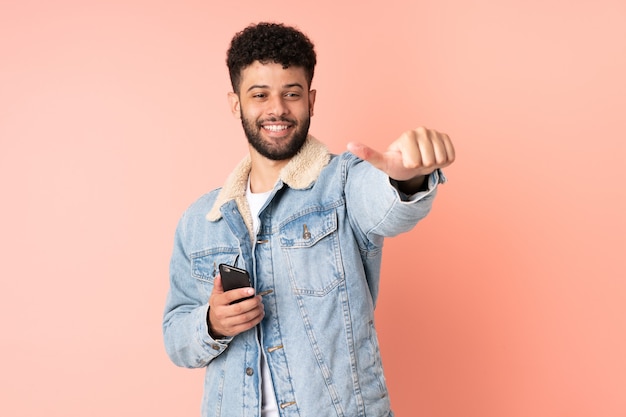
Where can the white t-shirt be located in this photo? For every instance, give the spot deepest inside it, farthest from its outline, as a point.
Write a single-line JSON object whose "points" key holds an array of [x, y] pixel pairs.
{"points": [[269, 408]]}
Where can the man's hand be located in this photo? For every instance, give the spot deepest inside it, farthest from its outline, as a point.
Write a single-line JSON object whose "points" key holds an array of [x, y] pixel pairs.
{"points": [[226, 319], [412, 156]]}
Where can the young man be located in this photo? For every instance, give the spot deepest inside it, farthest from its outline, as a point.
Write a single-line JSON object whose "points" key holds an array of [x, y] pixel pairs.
{"points": [[308, 226]]}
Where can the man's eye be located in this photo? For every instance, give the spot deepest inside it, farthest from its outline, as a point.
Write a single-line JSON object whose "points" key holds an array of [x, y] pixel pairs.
{"points": [[292, 95], [259, 95]]}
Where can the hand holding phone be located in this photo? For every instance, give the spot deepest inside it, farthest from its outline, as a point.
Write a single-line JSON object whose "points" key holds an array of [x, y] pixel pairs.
{"points": [[222, 319]]}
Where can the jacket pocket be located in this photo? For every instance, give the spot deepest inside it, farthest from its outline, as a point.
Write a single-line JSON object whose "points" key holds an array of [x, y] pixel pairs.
{"points": [[205, 263], [310, 244]]}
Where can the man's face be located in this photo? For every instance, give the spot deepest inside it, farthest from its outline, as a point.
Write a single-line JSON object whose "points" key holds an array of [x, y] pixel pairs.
{"points": [[275, 107]]}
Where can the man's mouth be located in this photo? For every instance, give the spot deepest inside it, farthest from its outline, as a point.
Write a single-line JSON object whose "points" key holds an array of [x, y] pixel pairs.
{"points": [[276, 128]]}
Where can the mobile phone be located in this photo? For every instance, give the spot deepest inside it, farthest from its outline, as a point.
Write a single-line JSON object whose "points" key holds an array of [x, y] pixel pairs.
{"points": [[233, 277]]}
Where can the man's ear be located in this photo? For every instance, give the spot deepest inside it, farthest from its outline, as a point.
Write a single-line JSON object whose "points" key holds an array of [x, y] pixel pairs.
{"points": [[235, 105], [311, 101]]}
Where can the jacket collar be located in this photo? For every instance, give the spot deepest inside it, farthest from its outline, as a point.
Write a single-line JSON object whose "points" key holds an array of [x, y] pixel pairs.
{"points": [[299, 173]]}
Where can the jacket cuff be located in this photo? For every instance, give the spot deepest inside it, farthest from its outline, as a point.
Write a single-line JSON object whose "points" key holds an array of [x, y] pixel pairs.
{"points": [[435, 178]]}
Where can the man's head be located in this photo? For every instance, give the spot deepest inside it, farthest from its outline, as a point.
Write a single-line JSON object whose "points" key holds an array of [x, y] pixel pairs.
{"points": [[271, 68], [270, 43]]}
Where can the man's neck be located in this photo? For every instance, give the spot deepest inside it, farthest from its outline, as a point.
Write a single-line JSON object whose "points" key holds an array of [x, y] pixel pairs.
{"points": [[264, 172]]}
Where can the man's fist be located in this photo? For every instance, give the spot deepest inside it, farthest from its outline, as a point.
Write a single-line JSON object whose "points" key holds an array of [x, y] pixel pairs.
{"points": [[414, 154]]}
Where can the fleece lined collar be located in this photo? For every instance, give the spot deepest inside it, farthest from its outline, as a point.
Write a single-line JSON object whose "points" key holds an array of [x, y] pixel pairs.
{"points": [[299, 173]]}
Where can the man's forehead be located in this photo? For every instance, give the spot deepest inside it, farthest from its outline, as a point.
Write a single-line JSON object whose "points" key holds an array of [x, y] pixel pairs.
{"points": [[272, 72]]}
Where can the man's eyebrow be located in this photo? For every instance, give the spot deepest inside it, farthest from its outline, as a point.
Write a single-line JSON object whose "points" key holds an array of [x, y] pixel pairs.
{"points": [[252, 87], [292, 85], [262, 86]]}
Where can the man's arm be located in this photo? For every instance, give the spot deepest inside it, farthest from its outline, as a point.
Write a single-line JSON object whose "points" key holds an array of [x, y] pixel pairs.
{"points": [[185, 328]]}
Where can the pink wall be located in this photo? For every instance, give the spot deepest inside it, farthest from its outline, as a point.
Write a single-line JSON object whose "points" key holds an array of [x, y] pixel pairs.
{"points": [[510, 300]]}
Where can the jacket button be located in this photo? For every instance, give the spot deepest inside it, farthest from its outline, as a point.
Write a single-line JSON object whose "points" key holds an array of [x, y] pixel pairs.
{"points": [[215, 346], [249, 371]]}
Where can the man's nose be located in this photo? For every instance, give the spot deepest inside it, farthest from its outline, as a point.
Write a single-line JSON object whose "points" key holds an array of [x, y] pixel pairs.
{"points": [[276, 106]]}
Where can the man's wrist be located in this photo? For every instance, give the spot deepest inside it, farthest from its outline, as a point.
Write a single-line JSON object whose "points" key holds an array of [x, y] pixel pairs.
{"points": [[412, 186], [214, 335]]}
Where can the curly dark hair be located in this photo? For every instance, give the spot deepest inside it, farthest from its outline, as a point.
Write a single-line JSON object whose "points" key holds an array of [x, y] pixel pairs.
{"points": [[267, 43]]}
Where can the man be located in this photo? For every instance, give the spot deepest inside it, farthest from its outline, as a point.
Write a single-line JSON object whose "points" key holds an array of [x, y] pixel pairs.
{"points": [[309, 227]]}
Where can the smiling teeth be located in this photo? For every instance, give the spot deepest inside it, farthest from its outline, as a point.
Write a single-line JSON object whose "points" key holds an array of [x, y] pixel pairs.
{"points": [[275, 128]]}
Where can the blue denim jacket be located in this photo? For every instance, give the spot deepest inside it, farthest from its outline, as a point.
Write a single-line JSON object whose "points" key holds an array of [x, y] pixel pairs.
{"points": [[319, 249]]}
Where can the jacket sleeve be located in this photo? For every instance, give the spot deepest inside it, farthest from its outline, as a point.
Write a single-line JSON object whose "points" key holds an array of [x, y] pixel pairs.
{"points": [[376, 208], [185, 329]]}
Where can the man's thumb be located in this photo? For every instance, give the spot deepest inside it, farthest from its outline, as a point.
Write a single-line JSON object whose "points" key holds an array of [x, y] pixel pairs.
{"points": [[367, 154], [217, 285]]}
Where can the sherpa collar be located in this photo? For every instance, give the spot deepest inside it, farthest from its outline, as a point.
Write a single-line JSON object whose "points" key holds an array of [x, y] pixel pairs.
{"points": [[299, 173]]}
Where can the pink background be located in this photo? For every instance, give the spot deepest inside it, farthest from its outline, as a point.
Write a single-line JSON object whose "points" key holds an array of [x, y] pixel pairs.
{"points": [[509, 300]]}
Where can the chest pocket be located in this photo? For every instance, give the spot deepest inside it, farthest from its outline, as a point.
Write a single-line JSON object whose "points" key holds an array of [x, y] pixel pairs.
{"points": [[310, 243], [204, 266]]}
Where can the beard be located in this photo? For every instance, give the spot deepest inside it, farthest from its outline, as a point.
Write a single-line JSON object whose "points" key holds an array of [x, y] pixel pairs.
{"points": [[287, 148]]}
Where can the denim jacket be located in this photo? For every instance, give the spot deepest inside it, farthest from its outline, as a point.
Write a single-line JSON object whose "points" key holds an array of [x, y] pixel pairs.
{"points": [[319, 249]]}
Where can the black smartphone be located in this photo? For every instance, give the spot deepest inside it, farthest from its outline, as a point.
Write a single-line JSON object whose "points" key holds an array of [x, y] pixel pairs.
{"points": [[233, 277]]}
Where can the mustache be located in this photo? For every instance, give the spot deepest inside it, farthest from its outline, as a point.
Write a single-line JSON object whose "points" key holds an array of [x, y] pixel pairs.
{"points": [[277, 119]]}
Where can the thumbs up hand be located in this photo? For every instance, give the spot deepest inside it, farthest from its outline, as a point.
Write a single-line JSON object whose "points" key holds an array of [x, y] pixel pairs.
{"points": [[415, 154]]}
